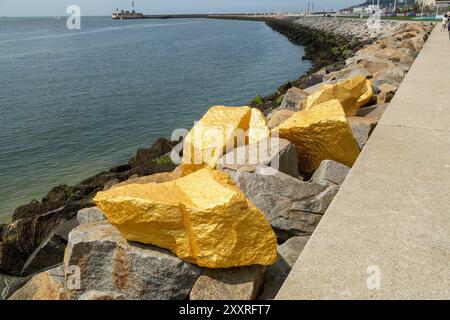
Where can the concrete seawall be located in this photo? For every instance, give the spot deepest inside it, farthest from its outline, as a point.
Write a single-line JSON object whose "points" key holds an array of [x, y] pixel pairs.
{"points": [[387, 233]]}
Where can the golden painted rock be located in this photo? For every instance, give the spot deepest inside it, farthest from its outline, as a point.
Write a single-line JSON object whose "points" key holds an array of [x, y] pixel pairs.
{"points": [[365, 97], [258, 129], [221, 128], [203, 218], [353, 94], [321, 133]]}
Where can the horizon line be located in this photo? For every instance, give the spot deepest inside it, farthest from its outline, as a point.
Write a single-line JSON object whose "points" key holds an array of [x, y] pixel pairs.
{"points": [[155, 14]]}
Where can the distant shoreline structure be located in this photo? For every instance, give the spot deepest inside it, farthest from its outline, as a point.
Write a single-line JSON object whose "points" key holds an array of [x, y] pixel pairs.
{"points": [[127, 15], [133, 15]]}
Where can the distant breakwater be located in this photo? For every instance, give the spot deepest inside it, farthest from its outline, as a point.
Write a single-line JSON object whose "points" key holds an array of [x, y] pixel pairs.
{"points": [[322, 47]]}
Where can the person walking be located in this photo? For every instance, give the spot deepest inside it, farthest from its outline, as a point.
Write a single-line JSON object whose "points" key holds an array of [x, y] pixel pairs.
{"points": [[444, 22], [448, 28]]}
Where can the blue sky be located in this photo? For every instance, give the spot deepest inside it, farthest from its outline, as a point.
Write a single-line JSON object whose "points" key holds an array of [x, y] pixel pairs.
{"points": [[105, 7]]}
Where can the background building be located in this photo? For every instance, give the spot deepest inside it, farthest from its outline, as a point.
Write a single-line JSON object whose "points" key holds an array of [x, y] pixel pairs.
{"points": [[435, 2]]}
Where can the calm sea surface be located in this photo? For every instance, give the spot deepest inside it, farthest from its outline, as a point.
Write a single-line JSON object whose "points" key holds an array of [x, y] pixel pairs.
{"points": [[73, 103]]}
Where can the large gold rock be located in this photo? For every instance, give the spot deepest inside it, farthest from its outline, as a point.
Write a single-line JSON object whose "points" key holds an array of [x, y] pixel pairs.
{"points": [[203, 218], [321, 133], [221, 128], [353, 94], [365, 97]]}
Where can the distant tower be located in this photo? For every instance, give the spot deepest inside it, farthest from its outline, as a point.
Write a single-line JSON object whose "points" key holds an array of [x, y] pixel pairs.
{"points": [[132, 4]]}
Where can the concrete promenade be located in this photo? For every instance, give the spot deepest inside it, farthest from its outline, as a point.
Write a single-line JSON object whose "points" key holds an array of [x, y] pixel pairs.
{"points": [[389, 225]]}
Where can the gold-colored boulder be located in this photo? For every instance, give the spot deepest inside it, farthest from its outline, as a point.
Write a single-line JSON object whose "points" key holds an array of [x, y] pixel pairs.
{"points": [[365, 97], [353, 94], [220, 128], [219, 131], [203, 218], [321, 133]]}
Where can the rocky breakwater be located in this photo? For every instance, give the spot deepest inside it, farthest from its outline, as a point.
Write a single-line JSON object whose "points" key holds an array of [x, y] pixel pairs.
{"points": [[359, 29], [230, 222], [385, 62], [330, 42]]}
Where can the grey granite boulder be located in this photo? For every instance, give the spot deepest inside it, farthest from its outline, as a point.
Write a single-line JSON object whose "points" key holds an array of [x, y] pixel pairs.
{"points": [[293, 98], [90, 215], [10, 284], [374, 112], [317, 204], [288, 254], [347, 73], [278, 116], [11, 259], [51, 251], [392, 78], [108, 263], [48, 254], [330, 173], [22, 237], [47, 285], [275, 194], [362, 128], [315, 88], [291, 249], [279, 154], [242, 283]]}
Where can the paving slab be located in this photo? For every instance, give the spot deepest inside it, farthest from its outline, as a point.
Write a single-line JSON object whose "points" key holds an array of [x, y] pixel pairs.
{"points": [[424, 98]]}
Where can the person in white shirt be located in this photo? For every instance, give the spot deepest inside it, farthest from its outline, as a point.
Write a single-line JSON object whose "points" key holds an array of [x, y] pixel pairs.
{"points": [[444, 23]]}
